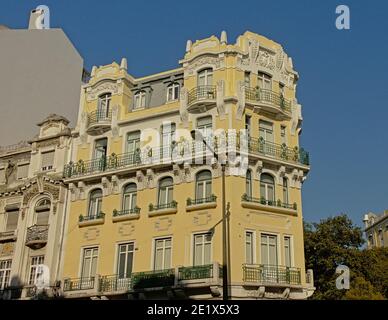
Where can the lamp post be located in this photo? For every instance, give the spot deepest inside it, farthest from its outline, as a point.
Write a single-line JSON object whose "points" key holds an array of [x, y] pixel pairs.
{"points": [[197, 135]]}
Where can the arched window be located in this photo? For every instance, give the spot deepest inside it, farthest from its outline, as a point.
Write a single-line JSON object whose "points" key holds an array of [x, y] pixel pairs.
{"points": [[205, 77], [139, 99], [203, 187], [285, 190], [248, 183], [129, 196], [267, 188], [165, 191], [104, 105], [95, 201], [42, 210], [173, 91]]}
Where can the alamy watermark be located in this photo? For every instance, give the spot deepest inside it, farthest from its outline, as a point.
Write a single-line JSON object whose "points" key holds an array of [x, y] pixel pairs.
{"points": [[343, 280], [342, 22]]}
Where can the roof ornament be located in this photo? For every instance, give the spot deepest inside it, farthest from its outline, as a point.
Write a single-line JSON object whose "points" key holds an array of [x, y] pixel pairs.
{"points": [[188, 45], [123, 64], [224, 37]]}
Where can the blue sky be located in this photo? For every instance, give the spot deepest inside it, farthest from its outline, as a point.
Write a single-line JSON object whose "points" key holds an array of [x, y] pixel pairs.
{"points": [[343, 74]]}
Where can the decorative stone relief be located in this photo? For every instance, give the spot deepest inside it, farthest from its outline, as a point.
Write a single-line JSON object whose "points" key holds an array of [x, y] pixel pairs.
{"points": [[47, 143], [150, 177], [163, 224], [74, 192], [183, 107], [241, 99], [7, 249], [115, 184], [205, 60], [202, 218], [106, 86], [258, 168], [115, 116], [106, 190], [126, 229], [91, 234], [81, 188], [220, 99]]}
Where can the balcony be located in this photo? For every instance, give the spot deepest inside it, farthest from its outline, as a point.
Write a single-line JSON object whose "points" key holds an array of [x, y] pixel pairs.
{"points": [[268, 100], [8, 236], [123, 215], [201, 98], [90, 220], [114, 284], [153, 279], [37, 236], [80, 284], [201, 203], [271, 274], [268, 205], [99, 121], [162, 209]]}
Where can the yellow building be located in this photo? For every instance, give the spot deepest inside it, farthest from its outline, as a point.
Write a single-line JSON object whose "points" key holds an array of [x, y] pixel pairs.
{"points": [[376, 229], [145, 204]]}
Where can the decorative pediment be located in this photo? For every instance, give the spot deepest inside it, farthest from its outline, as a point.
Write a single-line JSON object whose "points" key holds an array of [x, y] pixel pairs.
{"points": [[106, 86]]}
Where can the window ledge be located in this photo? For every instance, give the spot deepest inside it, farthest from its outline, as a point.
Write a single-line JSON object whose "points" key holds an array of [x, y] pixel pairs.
{"points": [[201, 206], [125, 217], [91, 222], [275, 209], [162, 212]]}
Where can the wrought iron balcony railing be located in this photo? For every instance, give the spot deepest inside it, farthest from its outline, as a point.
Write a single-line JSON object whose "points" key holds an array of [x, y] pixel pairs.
{"points": [[189, 149], [99, 215], [201, 93], [191, 202], [37, 233], [114, 283], [262, 273], [79, 284], [100, 115], [268, 96], [266, 202], [152, 279], [171, 205], [135, 210], [196, 272]]}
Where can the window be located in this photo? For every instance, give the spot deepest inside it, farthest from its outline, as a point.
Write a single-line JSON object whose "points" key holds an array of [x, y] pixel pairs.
{"points": [[140, 99], [22, 172], [95, 203], [269, 250], [203, 184], [162, 254], [283, 134], [167, 137], [264, 81], [287, 251], [202, 249], [12, 220], [266, 130], [5, 271], [205, 77], [133, 141], [247, 79], [130, 196], [47, 160], [165, 191], [104, 105], [125, 260], [249, 247], [248, 183], [100, 148], [285, 190], [42, 210], [89, 263], [370, 240], [248, 125], [173, 92], [34, 269], [267, 188]]}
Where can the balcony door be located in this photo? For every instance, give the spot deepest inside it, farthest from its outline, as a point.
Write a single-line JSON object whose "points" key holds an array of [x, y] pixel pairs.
{"points": [[89, 267], [162, 254], [99, 154], [104, 106], [125, 260], [202, 249], [205, 77], [269, 250]]}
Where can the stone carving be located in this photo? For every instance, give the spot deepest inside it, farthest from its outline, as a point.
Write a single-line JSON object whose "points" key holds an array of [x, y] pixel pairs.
{"points": [[10, 172], [202, 219], [183, 107], [266, 60], [163, 224], [110, 86], [241, 99], [197, 63], [220, 99], [91, 234], [126, 229]]}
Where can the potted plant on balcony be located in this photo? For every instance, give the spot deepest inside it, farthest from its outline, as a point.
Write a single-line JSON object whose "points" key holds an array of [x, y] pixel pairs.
{"points": [[294, 206], [263, 200], [244, 197], [80, 218], [174, 204], [188, 201], [115, 212], [151, 207], [279, 203]]}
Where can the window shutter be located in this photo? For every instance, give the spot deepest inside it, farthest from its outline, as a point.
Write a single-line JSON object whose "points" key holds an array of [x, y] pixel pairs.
{"points": [[42, 217], [22, 171], [48, 159], [12, 220]]}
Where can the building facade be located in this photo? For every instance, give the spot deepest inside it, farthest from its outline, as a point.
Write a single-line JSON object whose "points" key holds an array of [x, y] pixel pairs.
{"points": [[145, 209], [32, 211], [376, 229]]}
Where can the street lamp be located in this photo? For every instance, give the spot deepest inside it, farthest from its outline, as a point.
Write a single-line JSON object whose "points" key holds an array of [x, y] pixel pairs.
{"points": [[197, 135]]}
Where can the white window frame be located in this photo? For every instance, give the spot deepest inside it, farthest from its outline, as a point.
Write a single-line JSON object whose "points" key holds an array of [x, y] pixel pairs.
{"points": [[264, 81], [285, 189], [266, 184], [253, 244], [98, 203], [154, 248], [291, 250], [50, 166], [35, 262], [129, 196], [265, 132], [134, 142], [202, 244], [206, 74], [5, 273], [83, 254], [139, 100], [118, 255], [168, 189], [270, 234], [206, 184], [173, 91], [104, 101]]}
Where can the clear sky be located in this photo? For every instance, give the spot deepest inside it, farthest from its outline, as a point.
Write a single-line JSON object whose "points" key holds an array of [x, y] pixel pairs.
{"points": [[343, 74]]}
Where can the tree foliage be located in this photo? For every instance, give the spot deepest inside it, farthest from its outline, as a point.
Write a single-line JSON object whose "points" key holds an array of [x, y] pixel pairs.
{"points": [[334, 241]]}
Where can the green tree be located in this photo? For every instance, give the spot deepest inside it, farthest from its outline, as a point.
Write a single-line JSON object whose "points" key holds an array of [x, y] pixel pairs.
{"points": [[334, 241]]}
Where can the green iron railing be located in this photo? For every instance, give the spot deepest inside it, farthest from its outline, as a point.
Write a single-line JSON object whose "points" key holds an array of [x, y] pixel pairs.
{"points": [[152, 279], [114, 283], [210, 199], [268, 96], [266, 202], [78, 284], [201, 93], [135, 210], [161, 206], [196, 272], [99, 115], [99, 215], [271, 274]]}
